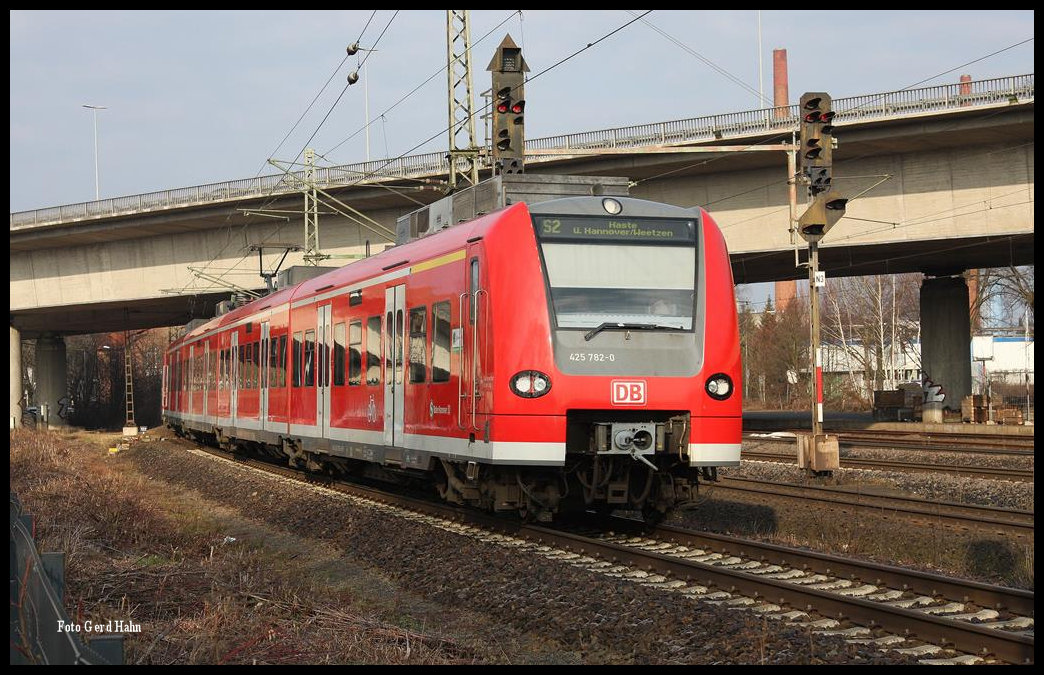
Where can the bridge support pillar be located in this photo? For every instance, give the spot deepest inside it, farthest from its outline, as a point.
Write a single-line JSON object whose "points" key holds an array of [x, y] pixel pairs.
{"points": [[946, 338], [16, 378], [52, 388]]}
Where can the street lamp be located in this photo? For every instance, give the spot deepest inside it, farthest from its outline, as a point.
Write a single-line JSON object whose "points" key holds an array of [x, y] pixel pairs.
{"points": [[353, 77], [95, 108]]}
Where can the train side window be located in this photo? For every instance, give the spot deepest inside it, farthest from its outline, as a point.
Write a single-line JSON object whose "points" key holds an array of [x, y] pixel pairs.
{"points": [[273, 361], [297, 358], [249, 359], [440, 342], [281, 361], [355, 353], [338, 360], [418, 343], [373, 350], [257, 365], [309, 358]]}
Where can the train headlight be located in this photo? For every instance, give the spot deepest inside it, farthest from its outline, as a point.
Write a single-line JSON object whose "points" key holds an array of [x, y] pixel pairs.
{"points": [[719, 386], [530, 384]]}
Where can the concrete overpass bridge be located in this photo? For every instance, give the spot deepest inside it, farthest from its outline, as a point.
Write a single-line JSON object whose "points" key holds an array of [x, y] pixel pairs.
{"points": [[940, 180]]}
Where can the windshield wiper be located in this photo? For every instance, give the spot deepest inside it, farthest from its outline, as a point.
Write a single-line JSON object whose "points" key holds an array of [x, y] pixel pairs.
{"points": [[629, 326]]}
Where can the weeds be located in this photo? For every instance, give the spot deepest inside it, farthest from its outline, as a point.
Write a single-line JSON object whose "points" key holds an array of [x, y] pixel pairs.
{"points": [[140, 550]]}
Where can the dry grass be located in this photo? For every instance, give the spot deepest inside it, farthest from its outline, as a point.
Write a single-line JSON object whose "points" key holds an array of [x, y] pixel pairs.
{"points": [[140, 550]]}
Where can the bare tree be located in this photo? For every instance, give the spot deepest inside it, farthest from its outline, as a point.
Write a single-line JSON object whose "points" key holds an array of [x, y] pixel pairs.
{"points": [[870, 325], [1004, 296], [778, 350]]}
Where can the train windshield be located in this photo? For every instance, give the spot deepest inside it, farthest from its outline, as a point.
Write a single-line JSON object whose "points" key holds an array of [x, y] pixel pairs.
{"points": [[603, 271]]}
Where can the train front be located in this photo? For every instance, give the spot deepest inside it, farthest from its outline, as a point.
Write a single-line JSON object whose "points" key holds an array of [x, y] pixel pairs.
{"points": [[644, 368]]}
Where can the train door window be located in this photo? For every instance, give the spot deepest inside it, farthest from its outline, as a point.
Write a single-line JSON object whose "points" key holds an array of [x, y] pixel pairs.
{"points": [[281, 361], [309, 358], [388, 323], [440, 342], [297, 359], [338, 364], [474, 284], [355, 353], [398, 346], [257, 365], [418, 343], [373, 350]]}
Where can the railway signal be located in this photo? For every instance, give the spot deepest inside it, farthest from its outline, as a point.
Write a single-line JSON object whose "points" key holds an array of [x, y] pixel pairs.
{"points": [[509, 107], [826, 209], [817, 127]]}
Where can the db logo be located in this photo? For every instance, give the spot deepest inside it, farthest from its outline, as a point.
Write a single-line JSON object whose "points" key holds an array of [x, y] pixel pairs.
{"points": [[628, 392]]}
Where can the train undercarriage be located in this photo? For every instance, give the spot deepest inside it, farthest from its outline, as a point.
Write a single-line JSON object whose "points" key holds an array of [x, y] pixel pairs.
{"points": [[625, 464]]}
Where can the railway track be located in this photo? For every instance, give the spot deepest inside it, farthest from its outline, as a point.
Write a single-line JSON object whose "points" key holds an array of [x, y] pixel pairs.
{"points": [[935, 442], [1004, 522], [889, 607], [995, 473]]}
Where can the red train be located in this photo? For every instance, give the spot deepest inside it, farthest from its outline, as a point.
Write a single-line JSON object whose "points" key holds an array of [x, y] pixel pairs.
{"points": [[578, 353]]}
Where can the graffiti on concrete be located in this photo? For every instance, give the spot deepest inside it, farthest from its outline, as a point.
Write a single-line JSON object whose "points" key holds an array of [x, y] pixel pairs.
{"points": [[933, 393]]}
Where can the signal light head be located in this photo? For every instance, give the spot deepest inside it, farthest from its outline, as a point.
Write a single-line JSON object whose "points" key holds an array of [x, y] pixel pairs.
{"points": [[813, 103], [518, 107], [813, 117]]}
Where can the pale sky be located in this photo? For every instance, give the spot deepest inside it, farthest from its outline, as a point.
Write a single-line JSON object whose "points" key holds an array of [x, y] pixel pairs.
{"points": [[196, 97]]}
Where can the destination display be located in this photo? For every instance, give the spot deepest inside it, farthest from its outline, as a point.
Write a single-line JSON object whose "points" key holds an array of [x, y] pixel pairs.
{"points": [[601, 228]]}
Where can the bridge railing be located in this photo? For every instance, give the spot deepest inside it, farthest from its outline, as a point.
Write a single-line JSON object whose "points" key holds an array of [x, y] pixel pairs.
{"points": [[906, 102]]}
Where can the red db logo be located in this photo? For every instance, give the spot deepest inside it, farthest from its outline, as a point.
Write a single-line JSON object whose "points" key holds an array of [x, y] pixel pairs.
{"points": [[628, 392]]}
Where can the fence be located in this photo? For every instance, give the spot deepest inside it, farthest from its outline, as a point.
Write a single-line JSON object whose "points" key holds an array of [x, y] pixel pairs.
{"points": [[1009, 391], [37, 610]]}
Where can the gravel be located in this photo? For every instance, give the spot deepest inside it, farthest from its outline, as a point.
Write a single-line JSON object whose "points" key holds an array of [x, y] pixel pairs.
{"points": [[583, 617], [938, 487]]}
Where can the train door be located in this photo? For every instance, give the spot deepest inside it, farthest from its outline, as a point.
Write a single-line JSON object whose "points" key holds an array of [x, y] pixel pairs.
{"points": [[233, 383], [394, 389], [473, 315], [263, 383], [323, 331]]}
